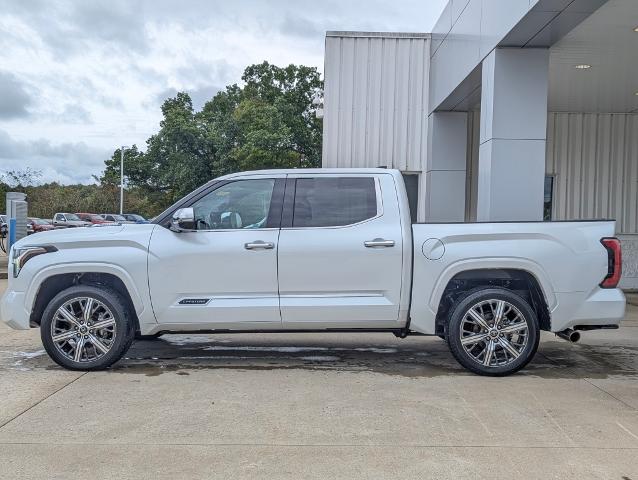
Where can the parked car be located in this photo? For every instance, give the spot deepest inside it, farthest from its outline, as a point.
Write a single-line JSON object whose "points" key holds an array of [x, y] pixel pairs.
{"points": [[38, 225], [135, 218], [69, 220], [93, 218], [116, 218], [323, 250]]}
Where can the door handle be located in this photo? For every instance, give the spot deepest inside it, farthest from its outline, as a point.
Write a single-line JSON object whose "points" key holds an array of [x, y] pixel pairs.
{"points": [[258, 244], [379, 242]]}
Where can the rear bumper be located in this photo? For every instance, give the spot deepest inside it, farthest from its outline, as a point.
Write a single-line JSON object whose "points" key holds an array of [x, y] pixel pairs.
{"points": [[12, 311], [601, 307]]}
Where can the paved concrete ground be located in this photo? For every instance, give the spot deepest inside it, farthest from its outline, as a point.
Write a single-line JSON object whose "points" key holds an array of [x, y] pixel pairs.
{"points": [[320, 406]]}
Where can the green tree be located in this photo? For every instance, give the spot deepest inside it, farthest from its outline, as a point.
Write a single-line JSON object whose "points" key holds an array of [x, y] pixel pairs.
{"points": [[291, 91], [265, 141], [270, 122]]}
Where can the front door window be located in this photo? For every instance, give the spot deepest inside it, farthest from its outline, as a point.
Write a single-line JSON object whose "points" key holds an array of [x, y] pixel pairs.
{"points": [[243, 204]]}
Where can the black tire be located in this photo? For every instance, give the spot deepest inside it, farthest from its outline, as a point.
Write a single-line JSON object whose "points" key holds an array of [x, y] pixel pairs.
{"points": [[124, 327], [458, 320]]}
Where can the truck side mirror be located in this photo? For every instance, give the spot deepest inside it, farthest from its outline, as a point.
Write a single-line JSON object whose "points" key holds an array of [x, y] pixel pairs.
{"points": [[183, 220]]}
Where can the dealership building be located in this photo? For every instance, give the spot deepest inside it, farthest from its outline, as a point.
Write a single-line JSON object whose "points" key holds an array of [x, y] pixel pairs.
{"points": [[507, 110]]}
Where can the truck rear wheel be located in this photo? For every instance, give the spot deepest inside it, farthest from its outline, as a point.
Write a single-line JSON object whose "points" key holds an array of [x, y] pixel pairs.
{"points": [[86, 328], [493, 331]]}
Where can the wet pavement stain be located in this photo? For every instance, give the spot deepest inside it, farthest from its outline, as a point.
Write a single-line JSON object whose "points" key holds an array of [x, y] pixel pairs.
{"points": [[412, 359]]}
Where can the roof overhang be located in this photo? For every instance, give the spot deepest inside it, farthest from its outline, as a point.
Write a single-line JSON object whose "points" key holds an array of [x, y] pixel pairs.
{"points": [[479, 28]]}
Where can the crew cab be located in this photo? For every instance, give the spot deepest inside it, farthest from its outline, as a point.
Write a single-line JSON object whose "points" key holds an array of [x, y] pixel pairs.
{"points": [[314, 250]]}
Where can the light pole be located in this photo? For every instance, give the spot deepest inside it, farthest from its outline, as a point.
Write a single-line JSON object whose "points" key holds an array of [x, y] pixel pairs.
{"points": [[122, 179]]}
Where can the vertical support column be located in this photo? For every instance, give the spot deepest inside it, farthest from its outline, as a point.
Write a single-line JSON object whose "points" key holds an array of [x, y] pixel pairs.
{"points": [[444, 199], [513, 135], [16, 217]]}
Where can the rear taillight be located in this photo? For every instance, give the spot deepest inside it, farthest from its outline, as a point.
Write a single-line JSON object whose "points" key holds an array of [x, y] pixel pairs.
{"points": [[614, 262]]}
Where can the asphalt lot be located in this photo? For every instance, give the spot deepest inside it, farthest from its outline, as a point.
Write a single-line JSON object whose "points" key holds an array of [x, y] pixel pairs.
{"points": [[320, 406]]}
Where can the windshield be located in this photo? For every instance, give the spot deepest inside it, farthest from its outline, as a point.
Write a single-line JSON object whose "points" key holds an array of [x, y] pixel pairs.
{"points": [[96, 217], [39, 221], [73, 217], [135, 217]]}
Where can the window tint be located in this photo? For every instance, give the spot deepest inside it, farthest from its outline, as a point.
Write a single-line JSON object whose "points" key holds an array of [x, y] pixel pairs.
{"points": [[333, 202], [240, 204]]}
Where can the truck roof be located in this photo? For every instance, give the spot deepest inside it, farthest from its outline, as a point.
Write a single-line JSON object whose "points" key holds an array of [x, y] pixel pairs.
{"points": [[314, 171]]}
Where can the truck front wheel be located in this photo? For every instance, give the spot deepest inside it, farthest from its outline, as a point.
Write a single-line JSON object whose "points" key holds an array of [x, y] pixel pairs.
{"points": [[86, 327], [493, 331]]}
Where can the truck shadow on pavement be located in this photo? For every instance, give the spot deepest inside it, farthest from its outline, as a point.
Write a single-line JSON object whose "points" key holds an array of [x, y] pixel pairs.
{"points": [[406, 358]]}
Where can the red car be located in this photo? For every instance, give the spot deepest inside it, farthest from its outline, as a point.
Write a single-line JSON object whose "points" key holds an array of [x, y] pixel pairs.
{"points": [[94, 218], [35, 225]]}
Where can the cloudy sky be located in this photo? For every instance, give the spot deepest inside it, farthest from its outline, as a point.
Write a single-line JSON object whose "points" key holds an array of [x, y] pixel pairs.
{"points": [[78, 78]]}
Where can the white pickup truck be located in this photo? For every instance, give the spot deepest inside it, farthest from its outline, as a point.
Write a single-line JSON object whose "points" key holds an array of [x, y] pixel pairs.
{"points": [[314, 250]]}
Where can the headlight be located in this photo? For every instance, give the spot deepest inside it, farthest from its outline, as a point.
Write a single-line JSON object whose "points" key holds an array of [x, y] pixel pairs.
{"points": [[21, 255]]}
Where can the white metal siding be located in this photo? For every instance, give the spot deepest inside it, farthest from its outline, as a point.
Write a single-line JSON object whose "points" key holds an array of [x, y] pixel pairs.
{"points": [[375, 100], [594, 158]]}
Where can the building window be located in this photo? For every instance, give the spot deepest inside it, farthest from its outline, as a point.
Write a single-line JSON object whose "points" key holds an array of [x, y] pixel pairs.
{"points": [[548, 198], [411, 181]]}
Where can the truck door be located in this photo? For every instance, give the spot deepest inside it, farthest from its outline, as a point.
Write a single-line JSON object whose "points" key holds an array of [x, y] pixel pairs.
{"points": [[224, 274], [340, 252]]}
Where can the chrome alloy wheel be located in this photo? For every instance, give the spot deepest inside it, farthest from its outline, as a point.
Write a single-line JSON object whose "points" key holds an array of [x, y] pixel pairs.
{"points": [[494, 333], [83, 329]]}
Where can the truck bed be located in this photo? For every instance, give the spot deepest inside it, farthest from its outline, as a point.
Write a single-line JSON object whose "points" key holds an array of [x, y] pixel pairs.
{"points": [[566, 258]]}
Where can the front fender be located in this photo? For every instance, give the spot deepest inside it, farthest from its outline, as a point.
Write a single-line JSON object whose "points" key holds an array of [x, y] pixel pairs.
{"points": [[84, 267]]}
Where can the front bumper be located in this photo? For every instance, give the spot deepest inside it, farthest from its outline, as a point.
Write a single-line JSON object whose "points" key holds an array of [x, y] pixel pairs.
{"points": [[12, 311]]}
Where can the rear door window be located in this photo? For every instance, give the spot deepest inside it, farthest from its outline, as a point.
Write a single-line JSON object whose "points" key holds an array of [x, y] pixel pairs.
{"points": [[334, 201]]}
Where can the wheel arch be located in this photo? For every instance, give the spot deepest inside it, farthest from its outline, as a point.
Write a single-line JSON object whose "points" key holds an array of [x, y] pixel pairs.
{"points": [[518, 280], [50, 285]]}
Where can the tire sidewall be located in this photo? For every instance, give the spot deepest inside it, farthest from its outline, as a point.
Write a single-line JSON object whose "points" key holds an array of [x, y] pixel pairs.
{"points": [[124, 327], [459, 312]]}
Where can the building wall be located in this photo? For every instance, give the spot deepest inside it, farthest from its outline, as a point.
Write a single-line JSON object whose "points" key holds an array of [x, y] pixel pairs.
{"points": [[594, 160], [375, 101]]}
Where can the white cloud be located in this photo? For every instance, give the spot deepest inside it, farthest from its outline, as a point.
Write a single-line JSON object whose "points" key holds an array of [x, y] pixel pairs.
{"points": [[80, 78], [61, 162], [14, 98]]}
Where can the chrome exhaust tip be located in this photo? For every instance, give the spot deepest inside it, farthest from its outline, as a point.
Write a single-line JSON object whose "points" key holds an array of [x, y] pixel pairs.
{"points": [[569, 335]]}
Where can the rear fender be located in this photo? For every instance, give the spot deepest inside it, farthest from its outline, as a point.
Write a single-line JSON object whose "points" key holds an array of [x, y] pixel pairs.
{"points": [[423, 314]]}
